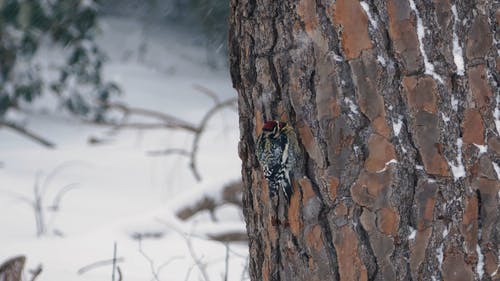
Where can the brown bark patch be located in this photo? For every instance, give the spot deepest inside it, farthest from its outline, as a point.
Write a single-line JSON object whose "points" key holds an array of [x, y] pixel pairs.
{"points": [[380, 126], [266, 269], [473, 127], [307, 12], [426, 134], [403, 33], [370, 189], [388, 221], [311, 145], [494, 144], [421, 93], [307, 190], [294, 218], [479, 39], [258, 122], [425, 200], [314, 238], [351, 267], [455, 268], [417, 251], [271, 230], [381, 244], [381, 151], [491, 265], [479, 86], [365, 72], [469, 226], [354, 22], [488, 190], [333, 186]]}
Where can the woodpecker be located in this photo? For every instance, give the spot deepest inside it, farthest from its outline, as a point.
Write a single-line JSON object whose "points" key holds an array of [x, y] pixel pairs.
{"points": [[278, 153]]}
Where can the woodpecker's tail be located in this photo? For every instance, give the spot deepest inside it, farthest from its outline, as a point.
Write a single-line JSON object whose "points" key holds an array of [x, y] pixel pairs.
{"points": [[287, 190]]}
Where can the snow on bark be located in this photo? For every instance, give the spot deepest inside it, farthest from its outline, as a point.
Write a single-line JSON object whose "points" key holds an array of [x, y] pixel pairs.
{"points": [[496, 114], [381, 59], [396, 126], [352, 106], [480, 262], [366, 8], [429, 67], [458, 57], [458, 170], [497, 169]]}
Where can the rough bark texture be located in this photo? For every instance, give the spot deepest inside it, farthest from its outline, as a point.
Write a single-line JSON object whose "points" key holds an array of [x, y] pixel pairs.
{"points": [[386, 118], [12, 269]]}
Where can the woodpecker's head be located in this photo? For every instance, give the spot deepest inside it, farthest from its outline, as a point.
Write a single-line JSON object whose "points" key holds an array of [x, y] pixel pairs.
{"points": [[272, 128]]}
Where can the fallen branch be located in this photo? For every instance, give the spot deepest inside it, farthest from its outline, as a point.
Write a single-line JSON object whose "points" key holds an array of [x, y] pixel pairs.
{"points": [[168, 121], [97, 264], [27, 133], [193, 152]]}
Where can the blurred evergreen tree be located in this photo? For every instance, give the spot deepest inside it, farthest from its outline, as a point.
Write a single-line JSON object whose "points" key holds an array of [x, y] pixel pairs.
{"points": [[72, 24]]}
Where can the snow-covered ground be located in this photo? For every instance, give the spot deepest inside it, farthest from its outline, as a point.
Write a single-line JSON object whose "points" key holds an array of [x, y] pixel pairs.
{"points": [[120, 190]]}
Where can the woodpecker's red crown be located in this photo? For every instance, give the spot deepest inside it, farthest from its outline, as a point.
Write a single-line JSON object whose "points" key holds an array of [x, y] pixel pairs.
{"points": [[270, 126]]}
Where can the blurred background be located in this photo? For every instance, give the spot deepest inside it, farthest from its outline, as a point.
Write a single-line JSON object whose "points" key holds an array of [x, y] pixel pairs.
{"points": [[118, 141]]}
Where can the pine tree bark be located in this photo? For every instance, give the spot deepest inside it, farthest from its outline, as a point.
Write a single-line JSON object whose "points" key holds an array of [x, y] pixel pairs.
{"points": [[396, 104]]}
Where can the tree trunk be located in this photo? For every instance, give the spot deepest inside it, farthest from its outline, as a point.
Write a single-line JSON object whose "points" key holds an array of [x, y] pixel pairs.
{"points": [[396, 105]]}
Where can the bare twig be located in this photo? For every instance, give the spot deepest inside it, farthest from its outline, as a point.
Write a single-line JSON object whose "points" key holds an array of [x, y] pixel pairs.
{"points": [[207, 92], [97, 264], [168, 121], [179, 151], [188, 273], [35, 272], [245, 270], [201, 129], [226, 271], [27, 133], [154, 270], [119, 270], [38, 207], [187, 238], [37, 202], [114, 262], [193, 152], [56, 203]]}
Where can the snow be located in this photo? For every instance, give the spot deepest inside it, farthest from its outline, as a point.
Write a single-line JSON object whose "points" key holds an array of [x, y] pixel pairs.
{"points": [[496, 114], [396, 125], [381, 59], [366, 7], [429, 67], [122, 191], [352, 106], [458, 170], [445, 118], [454, 103], [497, 169], [413, 234], [440, 255], [445, 232], [392, 161], [458, 57], [480, 262], [335, 56], [482, 148]]}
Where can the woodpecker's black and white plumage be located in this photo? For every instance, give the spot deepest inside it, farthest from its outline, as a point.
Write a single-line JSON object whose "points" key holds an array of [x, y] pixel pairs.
{"points": [[278, 151]]}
